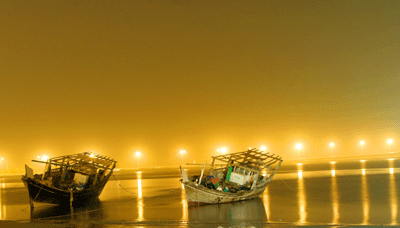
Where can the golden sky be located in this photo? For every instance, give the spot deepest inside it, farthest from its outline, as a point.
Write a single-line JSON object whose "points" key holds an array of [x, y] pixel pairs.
{"points": [[159, 76]]}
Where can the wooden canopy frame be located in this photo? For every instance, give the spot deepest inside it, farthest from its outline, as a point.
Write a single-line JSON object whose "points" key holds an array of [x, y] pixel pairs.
{"points": [[87, 158], [252, 158]]}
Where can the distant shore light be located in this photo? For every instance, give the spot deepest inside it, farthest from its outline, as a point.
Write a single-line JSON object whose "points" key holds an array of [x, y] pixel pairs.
{"points": [[299, 146], [44, 158], [224, 150]]}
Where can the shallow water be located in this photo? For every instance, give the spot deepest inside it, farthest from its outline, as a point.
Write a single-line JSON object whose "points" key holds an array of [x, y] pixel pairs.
{"points": [[344, 193]]}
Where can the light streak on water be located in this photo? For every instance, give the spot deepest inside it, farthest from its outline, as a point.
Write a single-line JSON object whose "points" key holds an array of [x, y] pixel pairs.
{"points": [[266, 203], [364, 196], [140, 200], [139, 188], [334, 195], [392, 194], [302, 199], [1, 204], [335, 200], [184, 204]]}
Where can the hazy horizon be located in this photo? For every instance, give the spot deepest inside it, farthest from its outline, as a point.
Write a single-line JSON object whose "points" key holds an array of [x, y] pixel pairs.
{"points": [[164, 76]]}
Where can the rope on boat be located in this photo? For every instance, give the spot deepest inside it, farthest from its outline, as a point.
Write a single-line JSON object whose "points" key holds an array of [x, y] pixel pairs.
{"points": [[296, 190], [13, 185], [32, 200], [148, 197], [287, 184], [121, 185]]}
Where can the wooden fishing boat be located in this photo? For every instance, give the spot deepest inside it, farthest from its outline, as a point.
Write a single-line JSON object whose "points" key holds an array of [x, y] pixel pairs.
{"points": [[241, 176], [76, 178]]}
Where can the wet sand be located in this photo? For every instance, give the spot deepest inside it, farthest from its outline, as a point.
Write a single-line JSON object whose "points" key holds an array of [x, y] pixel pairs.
{"points": [[346, 193]]}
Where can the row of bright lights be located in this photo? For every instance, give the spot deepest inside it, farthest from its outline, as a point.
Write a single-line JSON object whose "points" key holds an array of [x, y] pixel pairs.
{"points": [[223, 150], [182, 152], [138, 153], [389, 142], [362, 161], [298, 146], [44, 157]]}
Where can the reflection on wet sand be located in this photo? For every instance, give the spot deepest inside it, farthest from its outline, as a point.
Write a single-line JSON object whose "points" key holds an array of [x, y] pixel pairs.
{"points": [[184, 204], [335, 196], [250, 211], [364, 195], [2, 210], [392, 194], [91, 211], [140, 198], [302, 198], [266, 202]]}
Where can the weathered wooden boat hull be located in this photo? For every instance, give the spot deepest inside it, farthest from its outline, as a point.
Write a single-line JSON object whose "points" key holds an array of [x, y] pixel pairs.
{"points": [[201, 194], [77, 178], [42, 193], [238, 179]]}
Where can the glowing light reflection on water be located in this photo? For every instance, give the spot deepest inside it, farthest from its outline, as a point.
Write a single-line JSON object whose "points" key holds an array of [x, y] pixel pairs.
{"points": [[335, 195], [302, 198], [392, 194], [266, 203], [364, 195], [184, 204], [140, 200]]}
